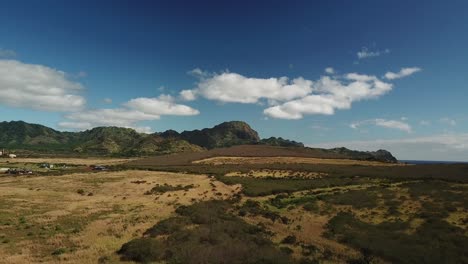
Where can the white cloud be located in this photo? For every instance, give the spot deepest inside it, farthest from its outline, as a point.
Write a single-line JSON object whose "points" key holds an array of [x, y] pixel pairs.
{"points": [[235, 88], [289, 99], [107, 117], [453, 147], [329, 70], [132, 112], [38, 87], [199, 73], [402, 73], [163, 105], [42, 88], [365, 53], [188, 95], [392, 124], [75, 125], [448, 121], [145, 129], [331, 94], [312, 104]]}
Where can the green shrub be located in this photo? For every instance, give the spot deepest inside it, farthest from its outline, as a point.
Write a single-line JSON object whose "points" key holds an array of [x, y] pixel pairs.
{"points": [[167, 226], [311, 206], [59, 251], [160, 189], [286, 250], [289, 240], [435, 241], [142, 250], [215, 234], [357, 198], [255, 208]]}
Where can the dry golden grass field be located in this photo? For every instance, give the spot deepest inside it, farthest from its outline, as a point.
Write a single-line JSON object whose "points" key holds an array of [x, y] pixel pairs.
{"points": [[346, 211], [80, 218], [70, 161]]}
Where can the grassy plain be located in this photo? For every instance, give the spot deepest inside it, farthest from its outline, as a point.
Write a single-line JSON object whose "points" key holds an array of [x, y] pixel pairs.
{"points": [[169, 209], [69, 161], [82, 217]]}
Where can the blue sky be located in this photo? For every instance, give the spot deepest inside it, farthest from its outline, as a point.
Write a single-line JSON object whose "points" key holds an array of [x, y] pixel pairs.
{"points": [[363, 74]]}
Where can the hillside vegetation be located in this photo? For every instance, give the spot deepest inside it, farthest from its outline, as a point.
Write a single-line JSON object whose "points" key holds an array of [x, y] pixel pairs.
{"points": [[118, 141], [123, 141]]}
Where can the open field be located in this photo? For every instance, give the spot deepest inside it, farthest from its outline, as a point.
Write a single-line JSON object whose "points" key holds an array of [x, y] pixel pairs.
{"points": [[306, 206], [240, 151], [217, 161], [324, 211], [80, 218], [69, 161]]}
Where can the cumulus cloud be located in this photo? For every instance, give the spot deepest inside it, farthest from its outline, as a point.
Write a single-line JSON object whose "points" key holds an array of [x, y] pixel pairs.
{"points": [[392, 124], [235, 88], [38, 87], [188, 95], [329, 70], [291, 98], [288, 99], [163, 105], [312, 104], [42, 88], [199, 73], [365, 53], [132, 112], [331, 94], [402, 73], [452, 147]]}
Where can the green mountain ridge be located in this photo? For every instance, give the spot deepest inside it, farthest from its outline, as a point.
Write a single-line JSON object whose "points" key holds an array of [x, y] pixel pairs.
{"points": [[19, 135]]}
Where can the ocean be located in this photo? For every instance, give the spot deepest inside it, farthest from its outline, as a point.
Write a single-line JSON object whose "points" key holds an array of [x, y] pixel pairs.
{"points": [[433, 162]]}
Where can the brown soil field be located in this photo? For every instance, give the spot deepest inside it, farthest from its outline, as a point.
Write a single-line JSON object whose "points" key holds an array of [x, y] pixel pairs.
{"points": [[236, 151], [79, 218]]}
